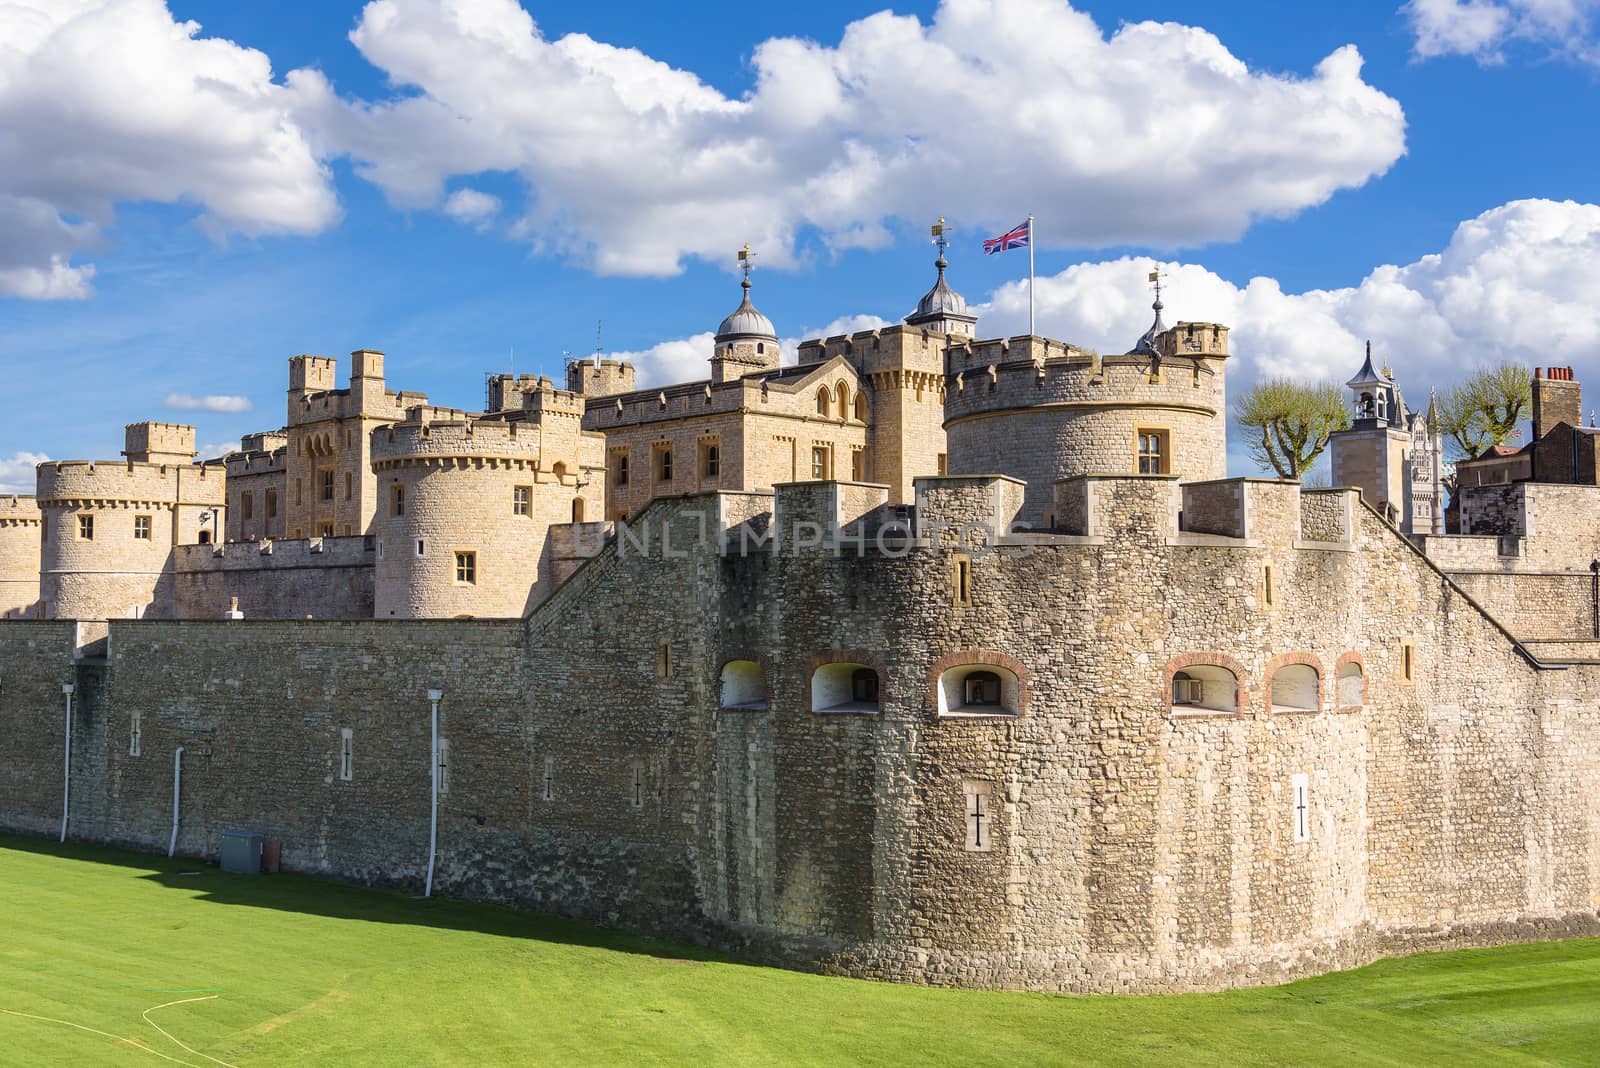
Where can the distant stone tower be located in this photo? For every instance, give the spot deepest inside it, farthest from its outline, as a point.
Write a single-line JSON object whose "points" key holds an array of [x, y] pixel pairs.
{"points": [[109, 527], [19, 557], [1393, 455], [746, 342], [1042, 410], [468, 503]]}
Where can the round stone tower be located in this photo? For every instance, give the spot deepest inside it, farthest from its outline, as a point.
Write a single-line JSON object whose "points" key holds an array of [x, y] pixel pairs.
{"points": [[19, 557], [1042, 410], [108, 528], [465, 507]]}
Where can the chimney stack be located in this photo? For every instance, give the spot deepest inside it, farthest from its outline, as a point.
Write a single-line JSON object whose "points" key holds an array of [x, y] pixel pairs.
{"points": [[1557, 398]]}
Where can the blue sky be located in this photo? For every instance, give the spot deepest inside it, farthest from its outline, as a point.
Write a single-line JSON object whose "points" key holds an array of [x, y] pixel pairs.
{"points": [[460, 179]]}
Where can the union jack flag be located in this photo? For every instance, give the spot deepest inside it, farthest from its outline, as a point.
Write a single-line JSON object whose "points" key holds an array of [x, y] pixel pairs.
{"points": [[1017, 238]]}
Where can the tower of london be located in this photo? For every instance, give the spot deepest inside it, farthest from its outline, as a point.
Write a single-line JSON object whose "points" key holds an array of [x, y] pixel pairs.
{"points": [[927, 657]]}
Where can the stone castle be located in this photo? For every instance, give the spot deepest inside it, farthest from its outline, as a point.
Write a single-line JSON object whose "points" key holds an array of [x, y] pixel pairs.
{"points": [[925, 658]]}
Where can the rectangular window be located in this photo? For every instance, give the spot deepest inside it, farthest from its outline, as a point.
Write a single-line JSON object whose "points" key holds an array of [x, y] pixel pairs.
{"points": [[134, 732], [444, 765], [636, 791], [710, 459], [858, 465], [664, 662], [1268, 593], [663, 463], [299, 494], [467, 567], [348, 482], [325, 530], [421, 546], [141, 527], [326, 475], [397, 500], [1300, 787], [247, 505], [980, 831], [521, 498], [347, 764], [821, 457], [549, 778], [1153, 451], [1408, 662], [944, 463], [963, 581], [86, 527], [272, 504], [621, 467]]}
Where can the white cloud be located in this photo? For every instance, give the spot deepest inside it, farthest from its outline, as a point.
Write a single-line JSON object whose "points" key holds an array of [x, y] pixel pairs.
{"points": [[213, 450], [1154, 135], [186, 402], [472, 206], [1513, 283], [687, 359], [1482, 28], [17, 474], [112, 101]]}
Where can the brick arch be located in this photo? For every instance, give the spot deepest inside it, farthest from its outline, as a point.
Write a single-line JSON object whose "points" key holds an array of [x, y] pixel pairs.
{"points": [[758, 659], [1207, 659], [846, 656], [1294, 656], [987, 658], [1349, 657]]}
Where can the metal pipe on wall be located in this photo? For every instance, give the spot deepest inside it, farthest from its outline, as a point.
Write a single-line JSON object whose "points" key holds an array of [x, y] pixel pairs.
{"points": [[434, 697], [66, 762], [177, 783]]}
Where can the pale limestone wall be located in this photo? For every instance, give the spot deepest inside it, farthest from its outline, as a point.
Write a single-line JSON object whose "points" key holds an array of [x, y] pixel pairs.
{"points": [[459, 480], [115, 574], [1373, 461], [19, 556], [1042, 411], [764, 435], [260, 477], [330, 430]]}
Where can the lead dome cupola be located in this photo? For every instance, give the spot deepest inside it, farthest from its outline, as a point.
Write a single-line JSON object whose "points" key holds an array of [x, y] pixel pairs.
{"points": [[746, 320]]}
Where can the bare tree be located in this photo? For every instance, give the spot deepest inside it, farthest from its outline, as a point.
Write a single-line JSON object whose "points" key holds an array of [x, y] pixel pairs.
{"points": [[1485, 408], [1289, 423]]}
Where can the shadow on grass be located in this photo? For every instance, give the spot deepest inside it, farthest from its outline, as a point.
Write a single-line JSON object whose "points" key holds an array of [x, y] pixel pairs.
{"points": [[312, 895]]}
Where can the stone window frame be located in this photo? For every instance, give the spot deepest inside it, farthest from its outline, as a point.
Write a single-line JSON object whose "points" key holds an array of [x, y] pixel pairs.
{"points": [[980, 660], [1302, 657], [466, 566], [824, 451], [858, 463], [1406, 662], [661, 462], [1160, 431], [664, 664], [85, 526], [135, 734], [522, 500], [143, 525], [762, 666], [324, 483], [443, 758], [824, 401], [1345, 659], [1204, 659], [961, 579], [977, 839], [857, 657], [708, 458], [861, 407], [247, 505], [347, 754], [1269, 591], [270, 504], [619, 466]]}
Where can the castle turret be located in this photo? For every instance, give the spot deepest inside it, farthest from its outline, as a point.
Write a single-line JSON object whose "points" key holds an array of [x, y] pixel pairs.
{"points": [[159, 443], [19, 556], [942, 308], [746, 342], [1041, 410], [1393, 455]]}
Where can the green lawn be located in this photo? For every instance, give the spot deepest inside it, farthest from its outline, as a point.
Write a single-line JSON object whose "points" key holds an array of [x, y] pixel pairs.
{"points": [[295, 971]]}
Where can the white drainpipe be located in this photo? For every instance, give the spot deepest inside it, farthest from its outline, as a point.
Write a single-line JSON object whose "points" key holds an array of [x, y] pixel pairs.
{"points": [[66, 763], [434, 697], [177, 783]]}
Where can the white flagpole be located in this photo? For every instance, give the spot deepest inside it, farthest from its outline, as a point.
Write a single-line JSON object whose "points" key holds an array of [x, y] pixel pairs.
{"points": [[1030, 276]]}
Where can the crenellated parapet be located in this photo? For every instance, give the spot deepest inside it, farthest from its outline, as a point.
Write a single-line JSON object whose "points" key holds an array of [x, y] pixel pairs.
{"points": [[20, 521], [1042, 410], [113, 483]]}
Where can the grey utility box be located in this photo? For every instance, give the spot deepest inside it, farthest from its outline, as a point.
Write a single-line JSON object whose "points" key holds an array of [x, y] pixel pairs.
{"points": [[241, 852]]}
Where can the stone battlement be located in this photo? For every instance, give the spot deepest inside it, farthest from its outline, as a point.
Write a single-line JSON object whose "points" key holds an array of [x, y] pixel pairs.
{"points": [[467, 438], [19, 509], [60, 481]]}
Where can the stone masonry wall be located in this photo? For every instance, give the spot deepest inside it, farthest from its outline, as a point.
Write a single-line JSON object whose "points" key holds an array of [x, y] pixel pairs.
{"points": [[19, 556], [1127, 844], [324, 578]]}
